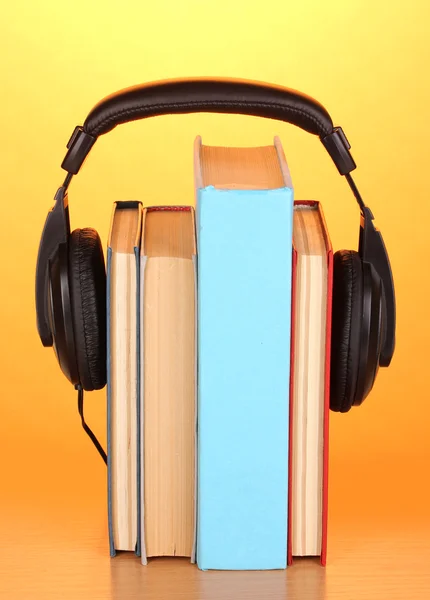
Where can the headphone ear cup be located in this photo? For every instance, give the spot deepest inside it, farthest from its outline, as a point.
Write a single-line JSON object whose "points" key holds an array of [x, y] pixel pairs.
{"points": [[88, 299], [346, 329]]}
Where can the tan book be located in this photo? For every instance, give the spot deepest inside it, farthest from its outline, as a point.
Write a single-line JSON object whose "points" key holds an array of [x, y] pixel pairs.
{"points": [[122, 279], [310, 364], [168, 376]]}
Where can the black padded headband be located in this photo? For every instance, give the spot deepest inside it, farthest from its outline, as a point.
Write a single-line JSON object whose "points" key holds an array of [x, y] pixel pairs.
{"points": [[180, 96]]}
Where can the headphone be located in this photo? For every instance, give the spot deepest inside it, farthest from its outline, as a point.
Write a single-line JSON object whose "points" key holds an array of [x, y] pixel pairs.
{"points": [[71, 276]]}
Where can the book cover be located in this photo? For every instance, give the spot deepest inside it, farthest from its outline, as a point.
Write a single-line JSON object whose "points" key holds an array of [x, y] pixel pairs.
{"points": [[118, 351], [168, 382], [244, 242], [326, 383]]}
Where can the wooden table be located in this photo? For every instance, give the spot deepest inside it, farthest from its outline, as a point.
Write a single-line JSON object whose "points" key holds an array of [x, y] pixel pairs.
{"points": [[53, 536], [60, 552]]}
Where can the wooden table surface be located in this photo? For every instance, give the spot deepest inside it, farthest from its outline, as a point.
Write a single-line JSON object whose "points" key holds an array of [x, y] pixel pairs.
{"points": [[60, 551], [53, 537]]}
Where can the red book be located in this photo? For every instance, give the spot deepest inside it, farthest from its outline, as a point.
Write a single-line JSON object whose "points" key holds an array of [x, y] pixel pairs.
{"points": [[312, 286]]}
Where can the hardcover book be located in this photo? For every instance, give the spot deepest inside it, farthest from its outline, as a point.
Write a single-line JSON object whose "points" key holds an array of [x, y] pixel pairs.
{"points": [[310, 382], [168, 382], [123, 376], [244, 214]]}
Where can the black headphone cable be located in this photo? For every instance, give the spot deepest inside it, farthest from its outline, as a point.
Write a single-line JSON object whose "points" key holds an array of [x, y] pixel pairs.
{"points": [[85, 426]]}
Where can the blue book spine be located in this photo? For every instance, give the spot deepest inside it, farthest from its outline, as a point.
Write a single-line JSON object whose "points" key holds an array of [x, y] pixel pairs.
{"points": [[244, 240], [112, 549]]}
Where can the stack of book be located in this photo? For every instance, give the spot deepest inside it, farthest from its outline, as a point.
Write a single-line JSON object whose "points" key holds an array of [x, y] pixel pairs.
{"points": [[218, 365]]}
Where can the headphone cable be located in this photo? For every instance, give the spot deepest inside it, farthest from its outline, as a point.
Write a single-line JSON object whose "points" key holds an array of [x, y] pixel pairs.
{"points": [[85, 426]]}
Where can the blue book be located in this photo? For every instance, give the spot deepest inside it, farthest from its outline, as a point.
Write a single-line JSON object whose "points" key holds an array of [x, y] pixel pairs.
{"points": [[244, 215], [123, 377]]}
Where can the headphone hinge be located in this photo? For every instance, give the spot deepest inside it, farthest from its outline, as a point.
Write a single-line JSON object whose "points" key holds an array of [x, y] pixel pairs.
{"points": [[79, 145], [338, 147]]}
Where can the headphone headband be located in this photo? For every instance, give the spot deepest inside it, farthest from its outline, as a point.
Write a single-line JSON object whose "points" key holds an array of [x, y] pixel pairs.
{"points": [[232, 96], [181, 96]]}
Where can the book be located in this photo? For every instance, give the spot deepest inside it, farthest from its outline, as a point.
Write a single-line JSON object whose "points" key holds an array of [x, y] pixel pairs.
{"points": [[244, 214], [168, 376], [310, 373], [122, 376]]}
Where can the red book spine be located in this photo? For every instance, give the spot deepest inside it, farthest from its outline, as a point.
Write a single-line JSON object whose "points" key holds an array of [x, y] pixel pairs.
{"points": [[290, 434], [327, 394], [173, 208]]}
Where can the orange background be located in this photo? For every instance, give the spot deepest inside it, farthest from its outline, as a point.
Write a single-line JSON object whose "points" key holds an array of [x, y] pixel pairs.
{"points": [[367, 62]]}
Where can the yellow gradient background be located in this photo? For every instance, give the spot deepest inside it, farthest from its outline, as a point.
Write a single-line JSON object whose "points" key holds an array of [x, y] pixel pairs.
{"points": [[366, 61]]}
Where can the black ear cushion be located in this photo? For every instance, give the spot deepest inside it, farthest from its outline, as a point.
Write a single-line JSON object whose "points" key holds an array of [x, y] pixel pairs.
{"points": [[88, 295], [346, 329]]}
